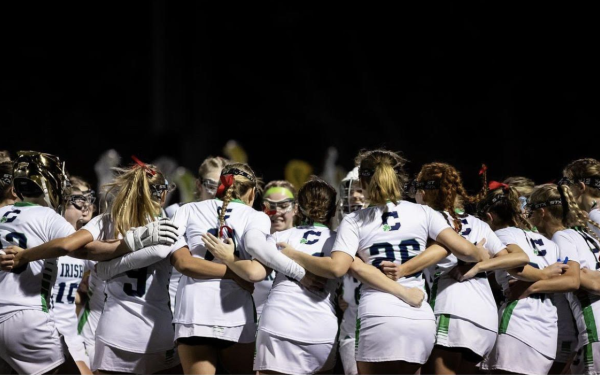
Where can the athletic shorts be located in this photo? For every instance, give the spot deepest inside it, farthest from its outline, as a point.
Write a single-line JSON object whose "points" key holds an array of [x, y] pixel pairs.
{"points": [[30, 343], [287, 356], [108, 358], [243, 334], [455, 332], [512, 354], [348, 356], [393, 338], [587, 360]]}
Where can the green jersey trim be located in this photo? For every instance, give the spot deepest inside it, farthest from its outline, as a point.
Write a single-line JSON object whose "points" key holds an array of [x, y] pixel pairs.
{"points": [[24, 204], [434, 290], [506, 315], [84, 317], [356, 334], [443, 324]]}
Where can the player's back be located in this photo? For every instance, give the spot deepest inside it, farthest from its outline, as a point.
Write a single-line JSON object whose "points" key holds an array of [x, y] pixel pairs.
{"points": [[27, 225]]}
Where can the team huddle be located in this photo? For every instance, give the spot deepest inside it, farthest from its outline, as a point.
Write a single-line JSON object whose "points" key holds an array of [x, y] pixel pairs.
{"points": [[390, 276]]}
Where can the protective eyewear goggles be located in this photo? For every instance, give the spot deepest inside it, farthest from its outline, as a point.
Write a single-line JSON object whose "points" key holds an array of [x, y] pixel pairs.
{"points": [[157, 190], [211, 186], [283, 206], [79, 201]]}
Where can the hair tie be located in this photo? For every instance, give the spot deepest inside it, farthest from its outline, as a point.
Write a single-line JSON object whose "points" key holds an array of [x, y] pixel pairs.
{"points": [[483, 169], [226, 182], [143, 165]]}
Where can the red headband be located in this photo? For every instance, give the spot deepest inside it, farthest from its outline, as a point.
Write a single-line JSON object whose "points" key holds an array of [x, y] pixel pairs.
{"points": [[143, 165]]}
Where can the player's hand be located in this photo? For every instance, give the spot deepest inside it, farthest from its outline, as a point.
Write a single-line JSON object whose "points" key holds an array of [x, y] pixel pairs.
{"points": [[158, 232], [555, 270], [286, 249], [391, 270], [11, 258], [221, 250], [517, 289], [464, 272], [313, 282], [414, 296], [483, 252]]}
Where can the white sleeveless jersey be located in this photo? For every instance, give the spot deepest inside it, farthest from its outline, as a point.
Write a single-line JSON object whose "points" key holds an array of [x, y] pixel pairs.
{"points": [[532, 320], [219, 302], [137, 313], [293, 311], [70, 272], [472, 299], [585, 306], [595, 216], [395, 233], [29, 287], [90, 314], [351, 295], [261, 292]]}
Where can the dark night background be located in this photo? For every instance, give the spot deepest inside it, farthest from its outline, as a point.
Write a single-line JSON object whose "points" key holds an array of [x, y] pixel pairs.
{"points": [[514, 87]]}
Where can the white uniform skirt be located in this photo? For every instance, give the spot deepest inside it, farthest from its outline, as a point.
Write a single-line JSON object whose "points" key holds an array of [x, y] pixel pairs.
{"points": [[243, 334], [292, 357], [30, 343], [393, 338], [109, 358], [512, 354], [455, 332]]}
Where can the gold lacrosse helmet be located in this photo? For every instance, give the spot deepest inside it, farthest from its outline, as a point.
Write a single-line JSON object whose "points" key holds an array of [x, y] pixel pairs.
{"points": [[37, 173]]}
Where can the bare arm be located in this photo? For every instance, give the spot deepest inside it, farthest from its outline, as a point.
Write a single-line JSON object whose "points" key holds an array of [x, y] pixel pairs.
{"points": [[197, 268], [371, 276], [532, 274], [53, 249], [249, 270], [102, 250], [510, 257], [590, 281], [461, 248], [567, 282], [337, 265], [432, 255]]}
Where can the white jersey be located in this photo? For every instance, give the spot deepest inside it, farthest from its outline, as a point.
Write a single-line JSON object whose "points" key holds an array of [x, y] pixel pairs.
{"points": [[261, 292], [137, 314], [27, 225], [394, 233], [175, 275], [595, 216], [585, 306], [219, 302], [90, 315], [532, 320], [293, 311], [472, 299], [70, 273], [351, 294]]}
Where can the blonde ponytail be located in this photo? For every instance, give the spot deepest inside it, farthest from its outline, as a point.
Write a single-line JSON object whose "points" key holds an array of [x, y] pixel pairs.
{"points": [[381, 171], [133, 204]]}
